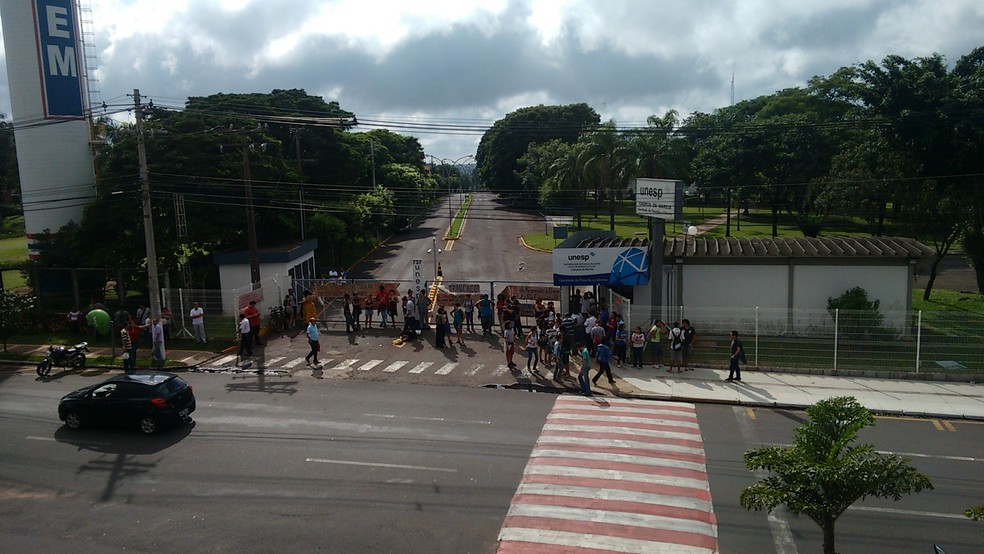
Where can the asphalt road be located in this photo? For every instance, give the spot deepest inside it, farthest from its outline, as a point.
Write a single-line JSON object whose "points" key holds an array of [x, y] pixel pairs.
{"points": [[949, 452], [361, 466], [272, 464], [488, 248]]}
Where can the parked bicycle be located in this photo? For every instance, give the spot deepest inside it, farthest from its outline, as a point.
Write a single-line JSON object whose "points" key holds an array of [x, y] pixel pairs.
{"points": [[278, 319]]}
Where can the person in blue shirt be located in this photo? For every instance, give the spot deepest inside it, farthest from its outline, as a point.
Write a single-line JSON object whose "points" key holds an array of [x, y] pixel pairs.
{"points": [[485, 313], [584, 376], [313, 335], [621, 344], [604, 356]]}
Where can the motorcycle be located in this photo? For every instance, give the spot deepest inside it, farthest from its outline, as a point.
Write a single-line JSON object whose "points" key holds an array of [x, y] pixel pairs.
{"points": [[63, 356]]}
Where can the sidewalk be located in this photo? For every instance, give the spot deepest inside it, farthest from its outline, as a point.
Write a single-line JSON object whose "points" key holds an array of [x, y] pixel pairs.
{"points": [[757, 388]]}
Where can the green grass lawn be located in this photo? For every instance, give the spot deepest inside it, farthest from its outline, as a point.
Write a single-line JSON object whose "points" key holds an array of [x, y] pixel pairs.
{"points": [[13, 251], [459, 218]]}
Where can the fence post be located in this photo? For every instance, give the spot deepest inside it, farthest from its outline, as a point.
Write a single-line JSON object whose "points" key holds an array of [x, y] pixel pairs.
{"points": [[918, 340], [836, 322], [756, 336]]}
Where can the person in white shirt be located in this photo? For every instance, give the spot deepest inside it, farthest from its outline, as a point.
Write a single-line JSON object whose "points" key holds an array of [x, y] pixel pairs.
{"points": [[197, 315]]}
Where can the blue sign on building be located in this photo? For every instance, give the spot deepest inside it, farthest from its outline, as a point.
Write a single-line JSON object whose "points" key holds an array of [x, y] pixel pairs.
{"points": [[58, 54]]}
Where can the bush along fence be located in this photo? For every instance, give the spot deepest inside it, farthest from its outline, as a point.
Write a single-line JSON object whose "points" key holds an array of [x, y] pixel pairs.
{"points": [[886, 342]]}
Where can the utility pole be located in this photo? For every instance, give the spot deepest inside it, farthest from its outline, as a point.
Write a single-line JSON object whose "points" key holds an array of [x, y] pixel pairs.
{"points": [[254, 255], [152, 281], [299, 161]]}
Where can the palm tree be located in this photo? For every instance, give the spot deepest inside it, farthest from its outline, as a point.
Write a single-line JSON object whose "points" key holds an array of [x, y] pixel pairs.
{"points": [[566, 174], [607, 159]]}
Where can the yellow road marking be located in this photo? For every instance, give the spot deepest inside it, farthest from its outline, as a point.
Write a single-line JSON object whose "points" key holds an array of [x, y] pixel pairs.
{"points": [[751, 413], [937, 424], [449, 246], [949, 426]]}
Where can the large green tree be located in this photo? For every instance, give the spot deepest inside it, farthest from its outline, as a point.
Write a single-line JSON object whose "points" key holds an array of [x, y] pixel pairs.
{"points": [[503, 145], [825, 471], [9, 177]]}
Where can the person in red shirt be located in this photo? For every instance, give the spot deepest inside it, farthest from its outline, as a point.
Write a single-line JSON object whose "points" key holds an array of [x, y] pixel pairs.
{"points": [[253, 315]]}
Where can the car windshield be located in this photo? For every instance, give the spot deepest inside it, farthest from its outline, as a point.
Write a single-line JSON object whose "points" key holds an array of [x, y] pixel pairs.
{"points": [[171, 386]]}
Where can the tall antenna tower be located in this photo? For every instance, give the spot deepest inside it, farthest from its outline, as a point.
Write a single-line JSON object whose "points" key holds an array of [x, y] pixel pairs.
{"points": [[732, 88], [89, 61]]}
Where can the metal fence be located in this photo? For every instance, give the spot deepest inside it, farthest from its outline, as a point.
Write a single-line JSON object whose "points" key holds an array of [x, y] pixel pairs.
{"points": [[892, 341]]}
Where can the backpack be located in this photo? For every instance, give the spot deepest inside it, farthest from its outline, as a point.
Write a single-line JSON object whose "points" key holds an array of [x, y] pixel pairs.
{"points": [[675, 338]]}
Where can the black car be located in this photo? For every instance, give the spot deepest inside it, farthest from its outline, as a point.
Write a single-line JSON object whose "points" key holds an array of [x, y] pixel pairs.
{"points": [[148, 399]]}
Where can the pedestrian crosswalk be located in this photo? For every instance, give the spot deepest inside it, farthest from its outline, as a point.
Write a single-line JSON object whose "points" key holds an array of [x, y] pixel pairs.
{"points": [[232, 363], [614, 475]]}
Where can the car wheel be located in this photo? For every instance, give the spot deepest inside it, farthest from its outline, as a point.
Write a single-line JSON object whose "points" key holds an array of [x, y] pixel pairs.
{"points": [[78, 362], [73, 421], [44, 368], [148, 425]]}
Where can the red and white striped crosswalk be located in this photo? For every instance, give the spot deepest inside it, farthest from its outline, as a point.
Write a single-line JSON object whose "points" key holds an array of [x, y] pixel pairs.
{"points": [[614, 475]]}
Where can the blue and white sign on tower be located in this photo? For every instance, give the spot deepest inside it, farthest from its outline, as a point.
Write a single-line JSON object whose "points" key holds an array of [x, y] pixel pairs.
{"points": [[56, 29], [627, 266]]}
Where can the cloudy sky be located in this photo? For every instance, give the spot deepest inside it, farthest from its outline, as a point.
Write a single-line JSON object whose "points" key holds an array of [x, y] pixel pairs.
{"points": [[450, 63]]}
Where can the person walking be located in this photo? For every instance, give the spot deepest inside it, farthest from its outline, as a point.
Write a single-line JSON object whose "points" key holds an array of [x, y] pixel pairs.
{"points": [[128, 360], [637, 341], [532, 348], [604, 355], [313, 335], [133, 330], [245, 347], [737, 354], [584, 375], [509, 334], [197, 315], [308, 309], [368, 311]]}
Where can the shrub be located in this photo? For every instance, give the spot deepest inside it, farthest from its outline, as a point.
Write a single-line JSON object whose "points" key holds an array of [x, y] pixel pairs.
{"points": [[859, 316]]}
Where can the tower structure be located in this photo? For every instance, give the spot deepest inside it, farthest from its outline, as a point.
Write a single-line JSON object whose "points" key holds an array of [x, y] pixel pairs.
{"points": [[49, 102]]}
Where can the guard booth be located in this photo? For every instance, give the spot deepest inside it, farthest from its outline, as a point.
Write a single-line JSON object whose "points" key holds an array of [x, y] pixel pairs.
{"points": [[616, 270]]}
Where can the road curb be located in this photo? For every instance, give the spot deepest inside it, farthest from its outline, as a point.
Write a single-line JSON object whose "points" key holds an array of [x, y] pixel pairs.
{"points": [[522, 241]]}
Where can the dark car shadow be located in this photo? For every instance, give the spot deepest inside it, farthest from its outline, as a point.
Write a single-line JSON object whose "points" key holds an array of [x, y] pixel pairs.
{"points": [[123, 440], [262, 383]]}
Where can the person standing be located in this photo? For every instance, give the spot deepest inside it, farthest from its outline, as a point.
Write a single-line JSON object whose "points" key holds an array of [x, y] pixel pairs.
{"points": [[676, 348], [74, 319], [604, 355], [292, 309], [458, 320], [500, 311], [313, 335], [253, 316], [532, 346], [368, 310], [468, 307], [584, 375], [288, 312], [157, 339], [689, 338], [382, 306], [441, 326], [394, 302], [637, 341], [510, 337], [423, 307], [517, 315], [133, 329], [127, 344], [197, 315], [656, 342], [308, 309], [409, 316], [486, 311], [245, 347], [347, 313], [621, 344], [737, 353]]}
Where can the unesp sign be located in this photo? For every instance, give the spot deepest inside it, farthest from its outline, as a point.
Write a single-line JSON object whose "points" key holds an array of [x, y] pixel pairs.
{"points": [[56, 30], [659, 198]]}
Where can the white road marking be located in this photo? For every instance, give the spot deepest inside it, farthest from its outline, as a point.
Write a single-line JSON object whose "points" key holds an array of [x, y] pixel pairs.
{"points": [[276, 360], [616, 495], [782, 536], [226, 359], [502, 368], [395, 366], [445, 369], [52, 439], [33, 438], [369, 365], [907, 512], [422, 418], [374, 464], [419, 368], [475, 370], [541, 452], [294, 363], [908, 454], [346, 364], [624, 476], [647, 521], [612, 544]]}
